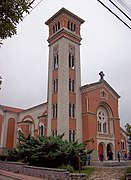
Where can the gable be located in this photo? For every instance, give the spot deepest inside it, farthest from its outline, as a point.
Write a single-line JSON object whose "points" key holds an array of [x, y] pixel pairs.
{"points": [[103, 87], [1, 109]]}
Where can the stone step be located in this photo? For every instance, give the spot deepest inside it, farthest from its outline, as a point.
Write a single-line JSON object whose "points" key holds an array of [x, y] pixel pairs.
{"points": [[111, 163]]}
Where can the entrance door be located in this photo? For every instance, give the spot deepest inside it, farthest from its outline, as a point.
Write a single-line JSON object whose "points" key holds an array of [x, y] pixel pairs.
{"points": [[109, 152], [100, 149]]}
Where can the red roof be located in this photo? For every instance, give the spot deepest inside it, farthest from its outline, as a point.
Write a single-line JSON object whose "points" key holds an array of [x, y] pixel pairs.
{"points": [[12, 109]]}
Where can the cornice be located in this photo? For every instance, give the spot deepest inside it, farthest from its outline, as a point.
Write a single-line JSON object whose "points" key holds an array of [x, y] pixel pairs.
{"points": [[64, 32], [98, 85]]}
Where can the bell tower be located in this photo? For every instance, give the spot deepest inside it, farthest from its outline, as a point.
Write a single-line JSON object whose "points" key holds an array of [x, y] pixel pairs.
{"points": [[64, 77]]}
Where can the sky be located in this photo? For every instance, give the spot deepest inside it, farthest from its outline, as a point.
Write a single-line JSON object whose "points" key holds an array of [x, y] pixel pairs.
{"points": [[105, 46]]}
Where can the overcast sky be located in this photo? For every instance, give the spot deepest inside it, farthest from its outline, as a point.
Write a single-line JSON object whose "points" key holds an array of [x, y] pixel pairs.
{"points": [[105, 45]]}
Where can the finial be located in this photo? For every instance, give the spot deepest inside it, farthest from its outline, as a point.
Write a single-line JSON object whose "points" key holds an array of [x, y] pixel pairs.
{"points": [[101, 75]]}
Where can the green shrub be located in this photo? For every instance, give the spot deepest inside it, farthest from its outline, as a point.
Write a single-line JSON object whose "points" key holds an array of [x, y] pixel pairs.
{"points": [[128, 170], [49, 151], [67, 167], [3, 157]]}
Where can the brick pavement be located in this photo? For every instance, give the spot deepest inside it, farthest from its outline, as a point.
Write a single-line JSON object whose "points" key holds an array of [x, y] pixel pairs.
{"points": [[107, 173]]}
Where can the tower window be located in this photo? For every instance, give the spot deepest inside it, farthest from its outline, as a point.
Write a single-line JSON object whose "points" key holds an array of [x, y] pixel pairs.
{"points": [[71, 56], [56, 61], [73, 138], [55, 85], [71, 85], [71, 26], [56, 57], [74, 28], [72, 135], [71, 61], [53, 29], [54, 111], [69, 135], [71, 110], [56, 27], [68, 25]]}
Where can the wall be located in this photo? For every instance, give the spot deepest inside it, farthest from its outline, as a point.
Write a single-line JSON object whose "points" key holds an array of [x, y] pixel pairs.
{"points": [[47, 173]]}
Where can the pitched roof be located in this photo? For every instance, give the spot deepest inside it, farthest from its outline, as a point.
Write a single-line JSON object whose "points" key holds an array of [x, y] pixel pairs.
{"points": [[98, 83], [67, 12], [11, 109]]}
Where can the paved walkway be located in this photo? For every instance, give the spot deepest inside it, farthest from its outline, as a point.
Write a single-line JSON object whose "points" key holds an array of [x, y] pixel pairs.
{"points": [[15, 176], [107, 173]]}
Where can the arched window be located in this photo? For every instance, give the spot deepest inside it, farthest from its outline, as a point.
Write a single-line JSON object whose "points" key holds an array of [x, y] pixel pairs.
{"points": [[71, 110], [72, 135], [69, 135], [71, 61], [53, 29], [68, 25], [41, 130], [58, 25], [54, 132], [71, 26], [74, 28], [71, 85], [99, 126], [104, 127], [102, 121], [73, 138]]}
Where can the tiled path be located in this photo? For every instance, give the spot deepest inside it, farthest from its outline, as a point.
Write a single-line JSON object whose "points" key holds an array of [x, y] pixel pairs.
{"points": [[15, 176], [107, 173]]}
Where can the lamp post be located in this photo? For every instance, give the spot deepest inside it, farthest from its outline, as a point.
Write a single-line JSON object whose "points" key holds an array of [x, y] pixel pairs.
{"points": [[0, 81]]}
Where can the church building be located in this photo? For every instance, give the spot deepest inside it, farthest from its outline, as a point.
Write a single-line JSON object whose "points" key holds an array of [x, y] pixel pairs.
{"points": [[82, 112]]}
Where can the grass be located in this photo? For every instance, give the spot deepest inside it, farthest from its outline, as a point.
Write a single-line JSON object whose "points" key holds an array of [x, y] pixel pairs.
{"points": [[128, 170], [86, 170]]}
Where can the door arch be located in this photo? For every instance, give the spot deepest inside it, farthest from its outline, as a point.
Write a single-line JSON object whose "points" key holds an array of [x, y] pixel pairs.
{"points": [[10, 133], [109, 151], [100, 149]]}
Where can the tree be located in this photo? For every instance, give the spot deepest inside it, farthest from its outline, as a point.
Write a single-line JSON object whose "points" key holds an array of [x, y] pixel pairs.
{"points": [[49, 151], [128, 130], [11, 13]]}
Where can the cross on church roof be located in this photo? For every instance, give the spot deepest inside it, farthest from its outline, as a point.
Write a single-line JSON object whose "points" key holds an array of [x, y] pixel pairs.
{"points": [[101, 75]]}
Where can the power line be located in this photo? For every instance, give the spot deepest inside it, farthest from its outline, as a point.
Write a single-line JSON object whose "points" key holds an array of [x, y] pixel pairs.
{"points": [[125, 5], [120, 9], [32, 9], [114, 14]]}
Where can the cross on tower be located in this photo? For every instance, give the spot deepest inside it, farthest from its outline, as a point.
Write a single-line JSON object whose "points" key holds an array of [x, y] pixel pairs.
{"points": [[101, 75]]}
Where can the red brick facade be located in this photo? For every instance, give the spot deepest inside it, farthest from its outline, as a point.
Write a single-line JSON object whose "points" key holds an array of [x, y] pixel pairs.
{"points": [[96, 117]]}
